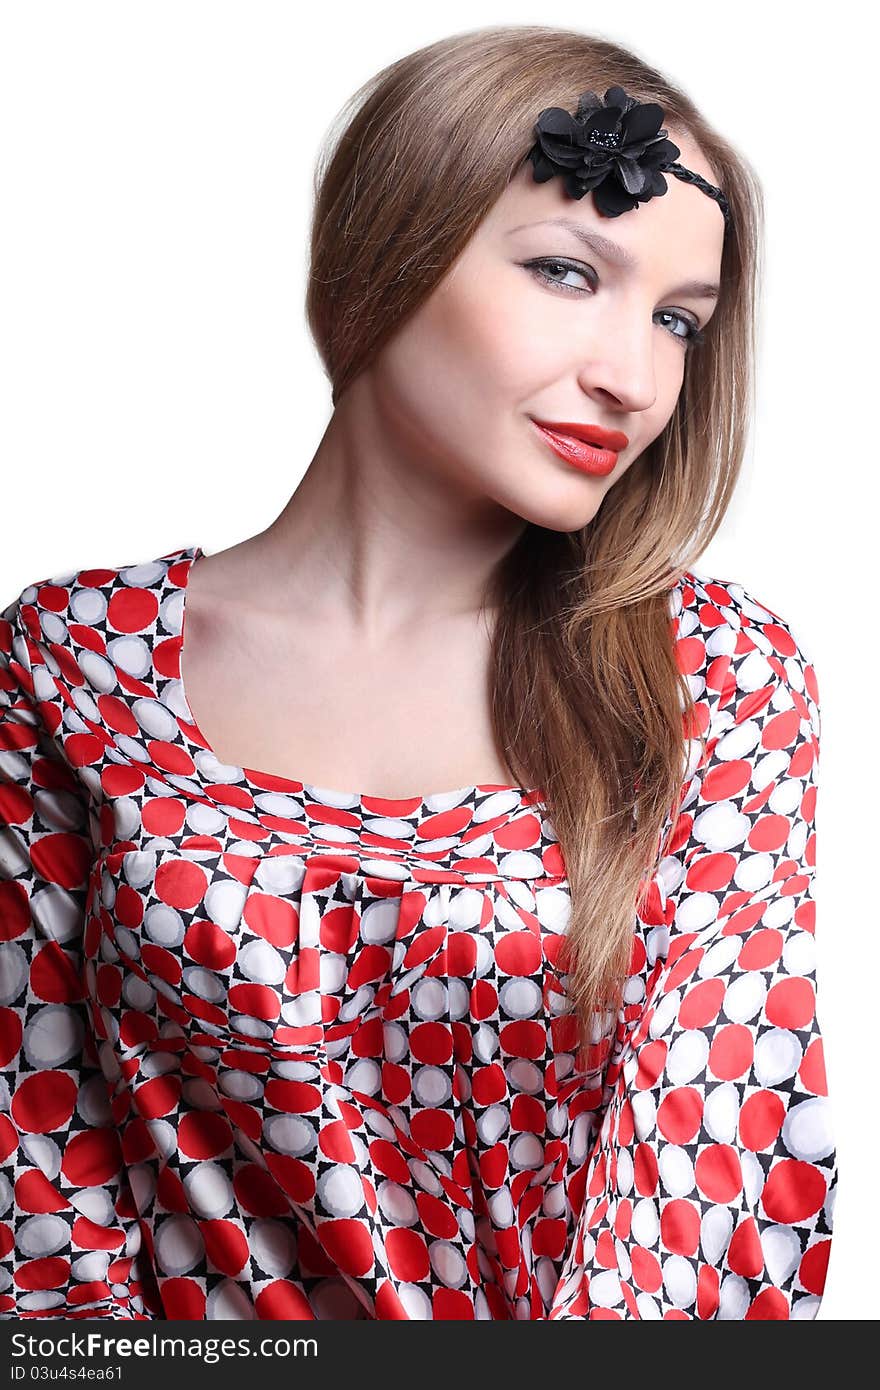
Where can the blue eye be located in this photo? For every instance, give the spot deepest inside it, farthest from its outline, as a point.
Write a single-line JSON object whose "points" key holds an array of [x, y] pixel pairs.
{"points": [[692, 338]]}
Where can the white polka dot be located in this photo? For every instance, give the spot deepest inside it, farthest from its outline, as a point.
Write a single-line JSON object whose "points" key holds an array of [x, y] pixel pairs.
{"points": [[43, 1153], [357, 1005], [778, 1055], [492, 1124], [521, 864], [209, 1190], [290, 1134], [679, 1280], [204, 983], [486, 1043], [625, 1173], [425, 1176], [277, 804], [744, 997], [303, 1011], [274, 1246], [805, 1309], [396, 1045], [142, 1181], [782, 1253], [42, 1299], [53, 1035], [779, 910], [520, 998], [379, 921], [645, 1223], [138, 994], [364, 1076], [676, 1170], [164, 925], [280, 874], [719, 957], [721, 827], [485, 957], [526, 1151], [96, 1204], [179, 1245], [733, 1299], [448, 1264], [753, 872], [224, 902], [753, 1176], [579, 1137], [721, 1113], [397, 1204], [799, 953], [87, 605], [164, 1136], [739, 742], [665, 1014], [341, 1191], [229, 1300], [155, 718], [429, 999], [807, 1129], [501, 1208], [13, 971], [91, 1267], [644, 1105], [525, 1076], [553, 909], [333, 973], [260, 961], [432, 1087], [605, 1290], [554, 1203], [687, 1057], [42, 1235], [416, 1303], [754, 671]]}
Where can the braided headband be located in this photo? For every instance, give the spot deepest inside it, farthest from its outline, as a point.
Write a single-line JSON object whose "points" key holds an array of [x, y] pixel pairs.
{"points": [[613, 149]]}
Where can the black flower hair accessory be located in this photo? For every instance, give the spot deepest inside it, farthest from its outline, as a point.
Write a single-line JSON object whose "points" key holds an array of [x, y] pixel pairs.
{"points": [[614, 149]]}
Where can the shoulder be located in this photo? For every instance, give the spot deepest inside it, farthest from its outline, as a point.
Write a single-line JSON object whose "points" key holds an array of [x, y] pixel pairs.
{"points": [[105, 600], [109, 628], [721, 618], [742, 658]]}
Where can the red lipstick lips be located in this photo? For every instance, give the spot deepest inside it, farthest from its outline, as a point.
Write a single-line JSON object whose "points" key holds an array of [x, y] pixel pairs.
{"points": [[587, 447]]}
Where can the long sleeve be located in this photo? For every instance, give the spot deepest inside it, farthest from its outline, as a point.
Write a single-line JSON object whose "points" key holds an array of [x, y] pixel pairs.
{"points": [[63, 1235], [710, 1186]]}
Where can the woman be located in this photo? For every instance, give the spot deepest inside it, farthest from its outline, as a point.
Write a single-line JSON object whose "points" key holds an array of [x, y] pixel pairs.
{"points": [[540, 1046]]}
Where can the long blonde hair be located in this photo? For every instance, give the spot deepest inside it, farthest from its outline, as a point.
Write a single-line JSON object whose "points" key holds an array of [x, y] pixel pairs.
{"points": [[588, 699]]}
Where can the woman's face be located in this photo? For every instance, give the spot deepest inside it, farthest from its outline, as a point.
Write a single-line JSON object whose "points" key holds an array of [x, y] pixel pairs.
{"points": [[503, 341]]}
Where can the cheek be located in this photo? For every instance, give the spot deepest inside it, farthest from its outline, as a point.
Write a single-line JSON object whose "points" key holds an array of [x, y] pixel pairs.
{"points": [[467, 345]]}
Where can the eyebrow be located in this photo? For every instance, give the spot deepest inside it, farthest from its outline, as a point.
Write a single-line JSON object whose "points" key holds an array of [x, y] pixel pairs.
{"points": [[617, 255]]}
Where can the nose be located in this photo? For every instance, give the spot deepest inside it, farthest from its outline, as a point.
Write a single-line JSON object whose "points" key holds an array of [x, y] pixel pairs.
{"points": [[616, 358]]}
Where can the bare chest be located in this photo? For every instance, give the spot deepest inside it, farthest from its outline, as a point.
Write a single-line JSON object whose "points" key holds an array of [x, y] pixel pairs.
{"points": [[406, 721]]}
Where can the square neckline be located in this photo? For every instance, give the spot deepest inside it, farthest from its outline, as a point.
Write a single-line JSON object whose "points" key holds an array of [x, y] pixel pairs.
{"points": [[331, 796]]}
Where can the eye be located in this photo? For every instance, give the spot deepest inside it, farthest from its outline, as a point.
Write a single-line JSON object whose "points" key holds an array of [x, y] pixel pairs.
{"points": [[542, 267]]}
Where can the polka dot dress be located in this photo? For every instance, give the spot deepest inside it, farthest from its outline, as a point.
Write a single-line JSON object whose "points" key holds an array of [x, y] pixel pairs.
{"points": [[272, 1051]]}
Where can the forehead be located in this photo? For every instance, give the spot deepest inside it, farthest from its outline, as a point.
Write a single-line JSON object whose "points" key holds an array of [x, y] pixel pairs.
{"points": [[682, 228]]}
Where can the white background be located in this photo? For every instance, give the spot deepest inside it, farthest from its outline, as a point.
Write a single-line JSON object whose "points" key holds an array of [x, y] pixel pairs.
{"points": [[158, 386]]}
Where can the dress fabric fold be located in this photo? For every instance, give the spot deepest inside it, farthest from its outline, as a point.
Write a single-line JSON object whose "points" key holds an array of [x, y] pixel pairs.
{"points": [[274, 1051]]}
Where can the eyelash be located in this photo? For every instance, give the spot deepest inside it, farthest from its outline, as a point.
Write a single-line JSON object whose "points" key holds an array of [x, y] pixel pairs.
{"points": [[693, 339]]}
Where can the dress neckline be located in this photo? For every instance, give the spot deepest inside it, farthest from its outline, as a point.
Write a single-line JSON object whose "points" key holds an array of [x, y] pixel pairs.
{"points": [[331, 796]]}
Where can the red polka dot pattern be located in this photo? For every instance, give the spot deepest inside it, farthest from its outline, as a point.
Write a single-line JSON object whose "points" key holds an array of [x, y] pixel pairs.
{"points": [[279, 1052]]}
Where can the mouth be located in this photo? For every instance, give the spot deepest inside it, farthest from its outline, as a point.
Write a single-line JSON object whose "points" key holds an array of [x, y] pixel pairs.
{"points": [[586, 447], [614, 440]]}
